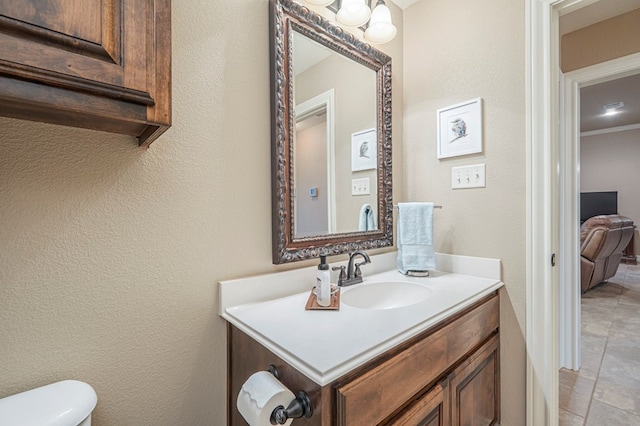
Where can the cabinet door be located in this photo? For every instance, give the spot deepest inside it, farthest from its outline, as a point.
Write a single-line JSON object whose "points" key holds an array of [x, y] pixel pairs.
{"points": [[432, 409], [73, 42], [388, 386], [475, 388], [99, 64]]}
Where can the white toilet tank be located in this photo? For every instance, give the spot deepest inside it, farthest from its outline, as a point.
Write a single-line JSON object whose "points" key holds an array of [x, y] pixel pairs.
{"points": [[66, 403]]}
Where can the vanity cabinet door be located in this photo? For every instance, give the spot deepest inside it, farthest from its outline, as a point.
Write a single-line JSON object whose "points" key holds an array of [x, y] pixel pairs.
{"points": [[100, 64], [432, 409], [388, 385], [475, 388]]}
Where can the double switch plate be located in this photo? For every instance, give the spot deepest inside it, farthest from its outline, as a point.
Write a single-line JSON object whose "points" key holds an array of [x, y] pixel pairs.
{"points": [[464, 177]]}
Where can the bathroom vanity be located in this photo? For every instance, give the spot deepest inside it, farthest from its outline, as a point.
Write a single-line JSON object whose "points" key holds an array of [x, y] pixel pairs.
{"points": [[428, 357], [401, 350]]}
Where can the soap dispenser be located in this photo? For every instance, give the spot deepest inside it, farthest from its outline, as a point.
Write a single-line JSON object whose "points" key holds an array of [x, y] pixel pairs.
{"points": [[323, 285]]}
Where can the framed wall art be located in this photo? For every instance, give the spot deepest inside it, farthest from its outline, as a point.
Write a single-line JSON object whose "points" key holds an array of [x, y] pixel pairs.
{"points": [[460, 129], [364, 152]]}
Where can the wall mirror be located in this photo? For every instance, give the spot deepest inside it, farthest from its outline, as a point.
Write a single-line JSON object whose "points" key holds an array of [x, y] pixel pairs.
{"points": [[331, 138]]}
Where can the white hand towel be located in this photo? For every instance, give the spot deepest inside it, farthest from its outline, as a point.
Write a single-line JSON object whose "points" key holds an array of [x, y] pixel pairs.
{"points": [[415, 237], [367, 220]]}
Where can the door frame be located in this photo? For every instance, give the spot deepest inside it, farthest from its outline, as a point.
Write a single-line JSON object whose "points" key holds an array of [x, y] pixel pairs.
{"points": [[570, 295], [326, 101], [543, 173], [542, 45]]}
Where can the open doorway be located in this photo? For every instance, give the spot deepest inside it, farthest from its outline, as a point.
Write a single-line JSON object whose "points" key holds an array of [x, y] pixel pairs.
{"points": [[592, 157], [552, 169], [597, 325], [314, 182], [598, 131]]}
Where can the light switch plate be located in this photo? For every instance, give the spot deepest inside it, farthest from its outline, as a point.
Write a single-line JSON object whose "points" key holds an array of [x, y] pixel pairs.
{"points": [[464, 177], [360, 186]]}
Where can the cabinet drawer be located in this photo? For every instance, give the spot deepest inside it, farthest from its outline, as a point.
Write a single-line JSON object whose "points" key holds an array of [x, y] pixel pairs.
{"points": [[380, 391]]}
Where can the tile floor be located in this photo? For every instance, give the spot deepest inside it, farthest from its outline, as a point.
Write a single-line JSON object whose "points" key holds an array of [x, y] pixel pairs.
{"points": [[606, 389]]}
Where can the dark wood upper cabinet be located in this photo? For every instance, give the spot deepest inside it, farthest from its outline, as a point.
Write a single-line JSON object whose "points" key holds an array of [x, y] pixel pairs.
{"points": [[97, 64]]}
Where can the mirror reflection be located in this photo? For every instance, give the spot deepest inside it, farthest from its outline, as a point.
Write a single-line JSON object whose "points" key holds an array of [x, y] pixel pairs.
{"points": [[330, 138], [335, 142]]}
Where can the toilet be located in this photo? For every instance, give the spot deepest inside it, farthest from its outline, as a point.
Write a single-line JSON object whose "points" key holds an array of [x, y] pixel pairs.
{"points": [[65, 403]]}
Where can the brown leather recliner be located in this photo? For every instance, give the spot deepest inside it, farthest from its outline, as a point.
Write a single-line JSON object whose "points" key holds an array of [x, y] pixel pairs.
{"points": [[602, 240]]}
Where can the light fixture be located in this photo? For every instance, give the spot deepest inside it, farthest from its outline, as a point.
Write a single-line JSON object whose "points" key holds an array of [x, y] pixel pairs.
{"points": [[320, 2], [356, 13], [612, 108], [380, 29], [353, 13]]}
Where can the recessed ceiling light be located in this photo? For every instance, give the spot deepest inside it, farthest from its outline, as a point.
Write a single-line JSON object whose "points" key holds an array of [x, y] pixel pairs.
{"points": [[612, 108]]}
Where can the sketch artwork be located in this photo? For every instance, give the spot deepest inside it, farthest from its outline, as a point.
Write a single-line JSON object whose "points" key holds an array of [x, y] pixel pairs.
{"points": [[460, 129], [364, 150]]}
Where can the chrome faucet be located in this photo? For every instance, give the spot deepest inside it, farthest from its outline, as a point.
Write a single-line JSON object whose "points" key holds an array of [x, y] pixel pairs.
{"points": [[352, 274]]}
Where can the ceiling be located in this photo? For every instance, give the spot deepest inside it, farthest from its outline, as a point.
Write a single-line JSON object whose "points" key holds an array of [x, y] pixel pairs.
{"points": [[592, 98], [404, 3]]}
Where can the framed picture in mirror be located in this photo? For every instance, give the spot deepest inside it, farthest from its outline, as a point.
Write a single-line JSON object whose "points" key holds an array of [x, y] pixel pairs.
{"points": [[364, 153]]}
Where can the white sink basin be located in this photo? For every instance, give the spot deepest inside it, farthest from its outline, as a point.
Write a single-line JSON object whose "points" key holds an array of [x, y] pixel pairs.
{"points": [[384, 295]]}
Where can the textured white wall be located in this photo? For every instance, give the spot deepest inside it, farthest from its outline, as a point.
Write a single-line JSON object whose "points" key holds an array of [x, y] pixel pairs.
{"points": [[310, 151], [609, 162], [456, 51], [111, 254]]}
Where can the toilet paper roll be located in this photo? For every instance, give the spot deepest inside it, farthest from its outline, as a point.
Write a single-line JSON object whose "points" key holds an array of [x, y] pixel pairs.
{"points": [[259, 396]]}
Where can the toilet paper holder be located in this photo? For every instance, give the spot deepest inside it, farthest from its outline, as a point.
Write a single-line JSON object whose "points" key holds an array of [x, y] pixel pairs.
{"points": [[299, 407]]}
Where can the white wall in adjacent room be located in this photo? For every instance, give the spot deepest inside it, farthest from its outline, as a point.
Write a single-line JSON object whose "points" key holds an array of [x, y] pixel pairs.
{"points": [[609, 162]]}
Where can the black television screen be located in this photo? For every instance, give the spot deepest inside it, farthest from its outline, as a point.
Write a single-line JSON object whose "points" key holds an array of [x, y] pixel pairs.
{"points": [[597, 203]]}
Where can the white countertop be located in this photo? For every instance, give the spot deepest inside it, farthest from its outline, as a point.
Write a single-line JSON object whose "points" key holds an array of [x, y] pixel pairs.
{"points": [[324, 345]]}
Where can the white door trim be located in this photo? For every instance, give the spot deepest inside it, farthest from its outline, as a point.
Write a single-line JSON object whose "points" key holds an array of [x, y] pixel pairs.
{"points": [[541, 338], [569, 266], [325, 100], [543, 71]]}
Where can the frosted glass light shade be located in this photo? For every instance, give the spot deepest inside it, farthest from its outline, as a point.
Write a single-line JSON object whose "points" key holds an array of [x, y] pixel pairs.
{"points": [[381, 29], [319, 2], [353, 13]]}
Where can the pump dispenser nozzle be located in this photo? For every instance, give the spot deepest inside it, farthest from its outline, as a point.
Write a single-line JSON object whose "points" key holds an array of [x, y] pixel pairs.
{"points": [[323, 284]]}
